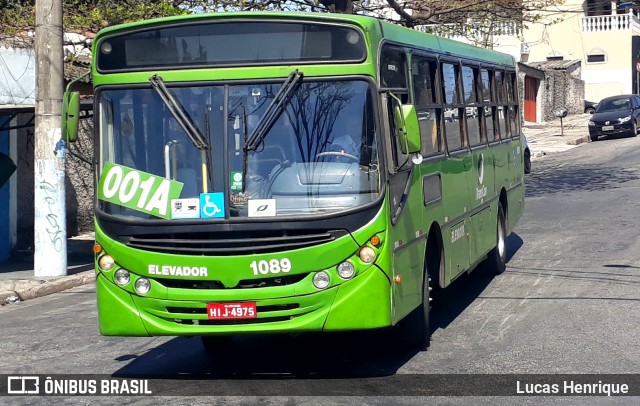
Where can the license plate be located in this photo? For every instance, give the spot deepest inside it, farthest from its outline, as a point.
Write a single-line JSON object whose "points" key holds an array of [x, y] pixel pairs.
{"points": [[607, 128], [227, 311]]}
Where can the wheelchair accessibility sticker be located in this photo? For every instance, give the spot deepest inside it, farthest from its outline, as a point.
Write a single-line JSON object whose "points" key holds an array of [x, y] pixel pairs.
{"points": [[212, 205]]}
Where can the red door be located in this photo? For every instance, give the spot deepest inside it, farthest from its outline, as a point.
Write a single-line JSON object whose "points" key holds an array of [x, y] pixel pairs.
{"points": [[530, 92]]}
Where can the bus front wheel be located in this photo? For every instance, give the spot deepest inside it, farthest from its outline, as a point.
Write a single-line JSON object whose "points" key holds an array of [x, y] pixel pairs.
{"points": [[498, 255], [414, 329]]}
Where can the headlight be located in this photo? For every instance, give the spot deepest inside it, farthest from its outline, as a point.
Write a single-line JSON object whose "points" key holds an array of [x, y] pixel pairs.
{"points": [[367, 255], [346, 270], [143, 286], [591, 123], [106, 262], [321, 280], [624, 119], [122, 277]]}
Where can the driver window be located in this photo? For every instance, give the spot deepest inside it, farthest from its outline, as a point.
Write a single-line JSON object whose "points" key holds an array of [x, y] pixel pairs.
{"points": [[393, 76]]}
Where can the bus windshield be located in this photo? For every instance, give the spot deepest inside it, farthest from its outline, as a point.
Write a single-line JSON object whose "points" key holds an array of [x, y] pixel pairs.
{"points": [[319, 156]]}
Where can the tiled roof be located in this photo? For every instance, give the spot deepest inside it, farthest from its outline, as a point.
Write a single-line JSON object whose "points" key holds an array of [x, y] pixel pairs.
{"points": [[21, 42], [555, 65], [79, 66]]}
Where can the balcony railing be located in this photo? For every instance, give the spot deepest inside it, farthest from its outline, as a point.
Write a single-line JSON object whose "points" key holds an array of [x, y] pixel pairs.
{"points": [[473, 30], [614, 22]]}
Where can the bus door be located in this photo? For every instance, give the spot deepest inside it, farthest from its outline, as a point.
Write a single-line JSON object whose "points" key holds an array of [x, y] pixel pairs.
{"points": [[404, 192]]}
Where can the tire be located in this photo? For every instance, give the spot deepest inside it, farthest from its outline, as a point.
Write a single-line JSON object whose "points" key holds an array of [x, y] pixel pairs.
{"points": [[594, 138], [497, 258], [414, 329], [590, 110], [634, 129], [527, 161]]}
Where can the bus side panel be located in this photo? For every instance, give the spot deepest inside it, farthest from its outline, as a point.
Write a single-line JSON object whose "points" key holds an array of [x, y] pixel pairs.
{"points": [[483, 192], [456, 205], [361, 305], [516, 193], [516, 206]]}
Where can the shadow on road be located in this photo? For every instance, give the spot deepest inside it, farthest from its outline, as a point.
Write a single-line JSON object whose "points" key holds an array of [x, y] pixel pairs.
{"points": [[329, 355], [335, 355], [562, 179], [449, 303]]}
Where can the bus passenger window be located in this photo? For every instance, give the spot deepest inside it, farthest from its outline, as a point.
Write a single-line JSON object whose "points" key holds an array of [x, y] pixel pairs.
{"points": [[423, 72], [489, 121], [502, 123], [469, 84], [429, 132], [514, 119], [449, 77], [425, 100], [452, 129], [393, 68], [473, 127]]}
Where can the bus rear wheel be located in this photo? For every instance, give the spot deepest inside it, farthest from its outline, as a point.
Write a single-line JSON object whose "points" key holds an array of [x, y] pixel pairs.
{"points": [[497, 258]]}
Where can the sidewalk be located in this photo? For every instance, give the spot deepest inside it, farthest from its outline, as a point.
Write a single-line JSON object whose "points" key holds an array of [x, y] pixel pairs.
{"points": [[549, 137], [18, 283]]}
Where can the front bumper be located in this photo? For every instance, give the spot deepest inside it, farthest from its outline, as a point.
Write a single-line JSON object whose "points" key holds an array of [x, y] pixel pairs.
{"points": [[615, 129], [359, 303]]}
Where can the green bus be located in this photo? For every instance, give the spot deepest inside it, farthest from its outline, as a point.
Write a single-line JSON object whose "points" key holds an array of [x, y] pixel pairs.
{"points": [[294, 172]]}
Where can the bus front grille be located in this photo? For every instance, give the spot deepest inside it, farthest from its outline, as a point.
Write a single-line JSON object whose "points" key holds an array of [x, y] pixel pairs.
{"points": [[229, 242], [243, 284]]}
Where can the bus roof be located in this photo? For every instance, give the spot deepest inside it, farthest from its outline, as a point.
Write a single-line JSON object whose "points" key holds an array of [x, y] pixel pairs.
{"points": [[377, 30]]}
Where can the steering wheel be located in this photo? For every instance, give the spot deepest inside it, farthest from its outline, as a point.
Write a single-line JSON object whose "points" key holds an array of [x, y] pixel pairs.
{"points": [[337, 154]]}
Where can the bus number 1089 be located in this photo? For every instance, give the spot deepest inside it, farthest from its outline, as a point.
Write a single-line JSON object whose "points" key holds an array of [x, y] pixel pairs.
{"points": [[274, 266]]}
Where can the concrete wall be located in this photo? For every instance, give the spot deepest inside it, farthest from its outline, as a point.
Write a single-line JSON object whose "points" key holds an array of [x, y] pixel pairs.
{"points": [[81, 179], [560, 90], [17, 76]]}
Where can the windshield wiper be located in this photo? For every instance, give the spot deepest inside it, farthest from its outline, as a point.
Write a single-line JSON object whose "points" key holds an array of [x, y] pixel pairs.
{"points": [[183, 119], [179, 114], [274, 111]]}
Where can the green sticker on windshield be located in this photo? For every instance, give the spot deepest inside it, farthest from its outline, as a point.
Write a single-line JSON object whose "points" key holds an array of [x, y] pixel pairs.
{"points": [[236, 181], [137, 190]]}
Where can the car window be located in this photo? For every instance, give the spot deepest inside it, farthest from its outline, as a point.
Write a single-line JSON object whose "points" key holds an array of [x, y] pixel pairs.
{"points": [[623, 103]]}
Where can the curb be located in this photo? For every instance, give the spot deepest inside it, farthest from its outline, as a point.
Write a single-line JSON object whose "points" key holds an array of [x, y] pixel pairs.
{"points": [[579, 141], [46, 287]]}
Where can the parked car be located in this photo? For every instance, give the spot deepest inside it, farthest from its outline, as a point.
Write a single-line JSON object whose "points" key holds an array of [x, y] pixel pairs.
{"points": [[527, 155], [590, 107], [616, 115]]}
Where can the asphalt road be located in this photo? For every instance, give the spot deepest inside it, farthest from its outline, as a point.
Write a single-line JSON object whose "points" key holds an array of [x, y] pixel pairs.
{"points": [[567, 304]]}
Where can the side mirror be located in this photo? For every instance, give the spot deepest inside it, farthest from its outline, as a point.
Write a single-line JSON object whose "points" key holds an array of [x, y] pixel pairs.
{"points": [[70, 115], [406, 121]]}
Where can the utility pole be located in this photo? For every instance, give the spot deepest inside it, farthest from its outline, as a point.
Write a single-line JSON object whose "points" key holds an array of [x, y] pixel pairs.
{"points": [[50, 220]]}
